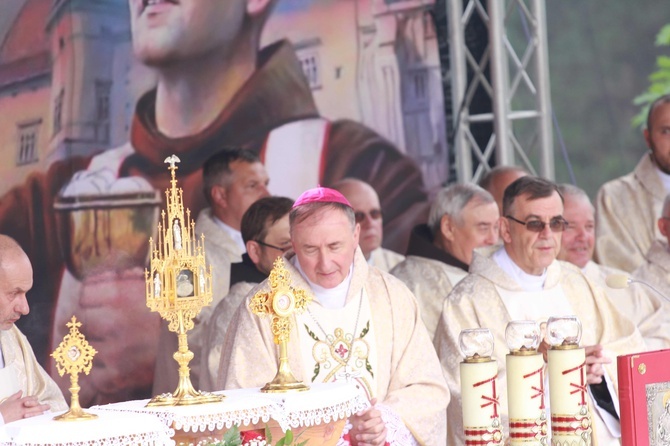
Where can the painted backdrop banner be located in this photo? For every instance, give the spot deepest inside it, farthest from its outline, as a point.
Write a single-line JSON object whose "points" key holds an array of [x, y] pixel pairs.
{"points": [[94, 95]]}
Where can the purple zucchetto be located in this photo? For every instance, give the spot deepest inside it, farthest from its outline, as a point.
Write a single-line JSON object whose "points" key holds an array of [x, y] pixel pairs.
{"points": [[321, 195]]}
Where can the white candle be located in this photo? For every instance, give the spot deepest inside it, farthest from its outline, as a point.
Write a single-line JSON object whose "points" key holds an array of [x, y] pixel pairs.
{"points": [[566, 361], [479, 391], [570, 419], [480, 394], [525, 391]]}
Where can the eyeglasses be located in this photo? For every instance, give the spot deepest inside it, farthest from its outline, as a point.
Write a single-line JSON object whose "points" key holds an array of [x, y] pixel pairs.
{"points": [[273, 246], [556, 224], [374, 214]]}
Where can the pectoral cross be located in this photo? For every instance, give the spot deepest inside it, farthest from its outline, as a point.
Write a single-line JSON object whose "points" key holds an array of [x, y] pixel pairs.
{"points": [[348, 373]]}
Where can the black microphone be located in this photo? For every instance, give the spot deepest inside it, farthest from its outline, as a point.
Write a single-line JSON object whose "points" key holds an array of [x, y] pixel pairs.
{"points": [[620, 280]]}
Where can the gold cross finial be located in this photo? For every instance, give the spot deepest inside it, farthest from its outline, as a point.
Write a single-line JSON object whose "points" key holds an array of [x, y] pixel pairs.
{"points": [[172, 160], [73, 324]]}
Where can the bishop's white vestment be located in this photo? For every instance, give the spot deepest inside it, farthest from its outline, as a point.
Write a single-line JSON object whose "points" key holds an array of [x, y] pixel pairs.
{"points": [[377, 338]]}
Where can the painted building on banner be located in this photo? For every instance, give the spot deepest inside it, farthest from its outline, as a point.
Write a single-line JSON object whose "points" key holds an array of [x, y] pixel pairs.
{"points": [[68, 83], [376, 62]]}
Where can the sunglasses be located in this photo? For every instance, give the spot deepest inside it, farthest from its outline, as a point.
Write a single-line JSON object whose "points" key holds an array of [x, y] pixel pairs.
{"points": [[556, 224], [267, 245], [374, 214]]}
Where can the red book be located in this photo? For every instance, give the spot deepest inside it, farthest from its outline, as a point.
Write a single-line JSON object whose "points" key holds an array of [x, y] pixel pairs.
{"points": [[644, 396]]}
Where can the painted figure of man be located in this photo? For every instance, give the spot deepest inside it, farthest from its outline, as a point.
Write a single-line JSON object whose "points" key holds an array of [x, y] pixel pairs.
{"points": [[216, 88]]}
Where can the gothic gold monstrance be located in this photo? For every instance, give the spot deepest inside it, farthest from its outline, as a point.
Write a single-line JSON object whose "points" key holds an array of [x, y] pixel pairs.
{"points": [[179, 284], [73, 356], [280, 303]]}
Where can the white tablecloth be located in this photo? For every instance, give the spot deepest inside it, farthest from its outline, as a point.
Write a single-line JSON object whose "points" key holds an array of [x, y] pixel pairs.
{"points": [[322, 403], [109, 429]]}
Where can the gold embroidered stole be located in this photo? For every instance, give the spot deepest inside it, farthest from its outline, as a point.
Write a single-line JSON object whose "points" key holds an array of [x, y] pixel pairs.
{"points": [[339, 344]]}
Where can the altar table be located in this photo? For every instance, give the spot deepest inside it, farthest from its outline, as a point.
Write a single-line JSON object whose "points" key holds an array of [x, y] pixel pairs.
{"points": [[317, 415], [109, 429]]}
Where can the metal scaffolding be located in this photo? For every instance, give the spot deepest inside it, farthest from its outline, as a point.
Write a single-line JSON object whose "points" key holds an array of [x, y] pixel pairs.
{"points": [[513, 71]]}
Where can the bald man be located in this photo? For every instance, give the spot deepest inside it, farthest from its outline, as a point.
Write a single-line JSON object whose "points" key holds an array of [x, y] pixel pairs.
{"points": [[368, 214], [497, 179], [26, 390]]}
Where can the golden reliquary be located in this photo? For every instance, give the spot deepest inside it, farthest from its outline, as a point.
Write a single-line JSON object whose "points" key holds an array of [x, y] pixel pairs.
{"points": [[73, 356], [178, 285], [279, 304]]}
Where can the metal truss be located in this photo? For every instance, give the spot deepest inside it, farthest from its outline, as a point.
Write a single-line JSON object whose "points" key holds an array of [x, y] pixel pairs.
{"points": [[513, 71]]}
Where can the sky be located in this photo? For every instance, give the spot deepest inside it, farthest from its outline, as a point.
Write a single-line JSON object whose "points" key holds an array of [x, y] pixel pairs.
{"points": [[9, 10], [287, 6]]}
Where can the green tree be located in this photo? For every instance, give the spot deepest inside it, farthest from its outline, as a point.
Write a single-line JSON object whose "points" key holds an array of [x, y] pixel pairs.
{"points": [[659, 80], [600, 55]]}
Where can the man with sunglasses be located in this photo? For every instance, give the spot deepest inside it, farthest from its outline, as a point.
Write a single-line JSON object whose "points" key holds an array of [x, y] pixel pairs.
{"points": [[265, 232], [462, 217], [368, 213], [233, 179], [523, 280]]}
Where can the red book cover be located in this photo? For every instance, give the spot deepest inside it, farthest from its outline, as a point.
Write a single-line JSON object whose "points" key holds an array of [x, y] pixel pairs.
{"points": [[644, 396]]}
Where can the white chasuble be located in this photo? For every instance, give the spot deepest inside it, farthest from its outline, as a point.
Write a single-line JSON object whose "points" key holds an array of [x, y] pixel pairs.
{"points": [[22, 372], [546, 303], [339, 344], [9, 382], [456, 276]]}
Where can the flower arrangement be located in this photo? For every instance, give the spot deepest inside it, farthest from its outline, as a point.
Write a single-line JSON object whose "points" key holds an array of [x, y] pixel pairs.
{"points": [[257, 437]]}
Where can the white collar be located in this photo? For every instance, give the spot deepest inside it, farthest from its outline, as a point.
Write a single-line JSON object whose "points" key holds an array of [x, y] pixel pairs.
{"points": [[528, 282], [233, 233], [331, 298], [664, 177]]}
